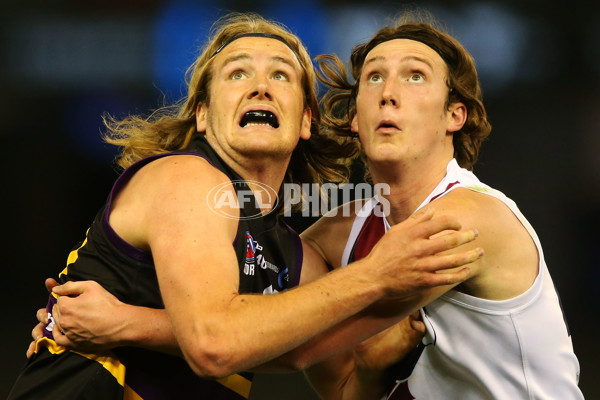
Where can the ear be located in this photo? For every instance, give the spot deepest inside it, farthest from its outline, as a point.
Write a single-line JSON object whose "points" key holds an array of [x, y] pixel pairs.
{"points": [[306, 123], [201, 118], [354, 123], [457, 116]]}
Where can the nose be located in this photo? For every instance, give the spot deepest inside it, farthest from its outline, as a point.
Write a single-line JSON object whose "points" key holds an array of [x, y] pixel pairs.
{"points": [[260, 89], [389, 96]]}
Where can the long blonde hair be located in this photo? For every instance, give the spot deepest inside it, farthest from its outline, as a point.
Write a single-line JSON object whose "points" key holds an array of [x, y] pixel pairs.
{"points": [[319, 159]]}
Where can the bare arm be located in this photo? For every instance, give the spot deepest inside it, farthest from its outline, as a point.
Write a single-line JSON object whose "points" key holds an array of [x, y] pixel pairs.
{"points": [[507, 270], [197, 270], [415, 229], [361, 374], [92, 320], [381, 314]]}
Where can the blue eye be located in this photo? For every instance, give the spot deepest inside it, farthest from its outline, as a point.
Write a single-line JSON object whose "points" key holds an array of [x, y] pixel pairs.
{"points": [[280, 76]]}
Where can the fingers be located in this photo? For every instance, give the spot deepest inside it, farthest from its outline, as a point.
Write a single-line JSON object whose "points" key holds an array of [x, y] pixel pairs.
{"points": [[56, 316], [450, 261], [30, 350], [447, 278], [450, 241], [418, 326], [437, 234], [38, 331], [416, 323], [427, 227], [71, 288], [415, 315], [422, 215], [42, 315], [61, 338], [50, 283]]}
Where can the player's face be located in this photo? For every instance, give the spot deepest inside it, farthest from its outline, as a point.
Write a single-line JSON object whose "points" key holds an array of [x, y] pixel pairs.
{"points": [[256, 101], [401, 113]]}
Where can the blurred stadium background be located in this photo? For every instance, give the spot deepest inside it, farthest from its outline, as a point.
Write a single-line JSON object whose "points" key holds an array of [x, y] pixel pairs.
{"points": [[64, 63]]}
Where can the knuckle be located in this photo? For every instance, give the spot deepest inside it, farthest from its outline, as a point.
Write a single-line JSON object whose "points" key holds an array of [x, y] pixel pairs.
{"points": [[453, 260], [444, 220], [418, 248], [63, 308], [64, 322], [451, 241], [428, 281], [458, 260], [419, 264]]}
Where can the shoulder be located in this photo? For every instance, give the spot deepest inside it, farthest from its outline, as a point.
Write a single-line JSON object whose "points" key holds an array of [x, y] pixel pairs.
{"points": [[180, 167], [176, 189], [178, 178], [170, 193], [476, 209], [510, 263]]}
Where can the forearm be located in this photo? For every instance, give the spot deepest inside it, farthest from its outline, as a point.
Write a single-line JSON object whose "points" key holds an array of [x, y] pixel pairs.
{"points": [[331, 342], [364, 385], [219, 330], [339, 378], [148, 328], [229, 336], [363, 372], [91, 319], [349, 333]]}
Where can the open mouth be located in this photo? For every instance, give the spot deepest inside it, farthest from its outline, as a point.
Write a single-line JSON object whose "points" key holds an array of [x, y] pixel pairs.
{"points": [[387, 125], [259, 117]]}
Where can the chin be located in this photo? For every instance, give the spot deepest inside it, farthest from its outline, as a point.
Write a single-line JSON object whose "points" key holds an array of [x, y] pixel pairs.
{"points": [[265, 150], [385, 154]]}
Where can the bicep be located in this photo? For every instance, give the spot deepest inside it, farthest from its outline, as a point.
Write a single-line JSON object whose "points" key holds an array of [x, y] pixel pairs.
{"points": [[192, 248]]}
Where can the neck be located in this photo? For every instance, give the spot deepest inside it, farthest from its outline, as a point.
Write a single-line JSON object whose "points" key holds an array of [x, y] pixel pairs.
{"points": [[264, 178], [263, 171], [265, 184], [409, 184]]}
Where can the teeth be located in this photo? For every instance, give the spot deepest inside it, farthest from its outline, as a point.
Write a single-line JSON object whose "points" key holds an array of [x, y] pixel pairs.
{"points": [[258, 124]]}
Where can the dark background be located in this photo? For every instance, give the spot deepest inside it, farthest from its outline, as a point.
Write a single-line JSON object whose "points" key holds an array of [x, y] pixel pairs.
{"points": [[63, 64]]}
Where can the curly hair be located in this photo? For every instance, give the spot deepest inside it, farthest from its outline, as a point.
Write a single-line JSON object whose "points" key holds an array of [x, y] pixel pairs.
{"points": [[321, 158], [339, 103]]}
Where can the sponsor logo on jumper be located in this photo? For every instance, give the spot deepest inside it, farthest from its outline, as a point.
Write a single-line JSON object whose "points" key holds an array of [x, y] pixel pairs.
{"points": [[255, 260], [270, 290], [248, 269], [250, 254], [264, 264], [250, 247], [283, 276]]}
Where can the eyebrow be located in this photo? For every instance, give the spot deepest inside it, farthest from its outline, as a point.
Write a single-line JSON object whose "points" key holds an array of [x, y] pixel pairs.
{"points": [[420, 59], [236, 57], [405, 58], [247, 56]]}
